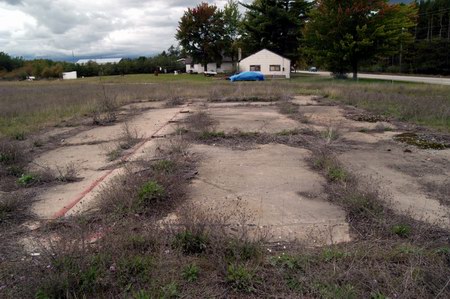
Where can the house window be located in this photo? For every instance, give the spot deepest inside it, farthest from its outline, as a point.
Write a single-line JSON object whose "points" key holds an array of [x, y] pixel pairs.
{"points": [[275, 68], [255, 68]]}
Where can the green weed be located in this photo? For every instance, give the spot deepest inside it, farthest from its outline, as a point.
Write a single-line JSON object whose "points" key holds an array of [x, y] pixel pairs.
{"points": [[27, 179], [141, 294], [332, 254], [170, 290], [240, 278], [151, 191], [402, 230], [335, 291], [191, 272], [212, 134], [134, 269]]}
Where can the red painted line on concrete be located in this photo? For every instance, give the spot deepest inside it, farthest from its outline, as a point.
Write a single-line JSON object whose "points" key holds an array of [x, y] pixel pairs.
{"points": [[76, 200], [98, 181]]}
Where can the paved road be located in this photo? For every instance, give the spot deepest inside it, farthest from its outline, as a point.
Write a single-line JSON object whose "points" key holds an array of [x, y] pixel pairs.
{"points": [[430, 80]]}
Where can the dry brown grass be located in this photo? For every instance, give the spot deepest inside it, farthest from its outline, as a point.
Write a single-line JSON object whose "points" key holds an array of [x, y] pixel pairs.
{"points": [[128, 138], [423, 104], [149, 187], [25, 108], [201, 254]]}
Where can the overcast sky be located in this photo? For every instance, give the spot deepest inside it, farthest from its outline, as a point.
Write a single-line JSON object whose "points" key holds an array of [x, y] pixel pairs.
{"points": [[100, 28]]}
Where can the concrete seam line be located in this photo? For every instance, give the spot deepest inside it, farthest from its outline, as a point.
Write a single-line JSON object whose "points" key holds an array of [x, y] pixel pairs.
{"points": [[97, 182]]}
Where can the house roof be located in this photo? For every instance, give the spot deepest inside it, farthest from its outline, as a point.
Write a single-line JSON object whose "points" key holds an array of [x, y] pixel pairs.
{"points": [[189, 60], [100, 60], [267, 51]]}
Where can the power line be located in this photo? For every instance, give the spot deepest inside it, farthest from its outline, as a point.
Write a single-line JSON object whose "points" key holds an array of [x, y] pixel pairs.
{"points": [[434, 12]]}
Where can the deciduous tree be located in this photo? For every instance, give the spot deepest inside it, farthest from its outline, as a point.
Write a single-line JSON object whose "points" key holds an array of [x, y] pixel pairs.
{"points": [[232, 22], [201, 32], [342, 34]]}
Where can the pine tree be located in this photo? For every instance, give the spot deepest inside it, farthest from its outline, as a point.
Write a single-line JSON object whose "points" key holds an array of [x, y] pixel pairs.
{"points": [[275, 25]]}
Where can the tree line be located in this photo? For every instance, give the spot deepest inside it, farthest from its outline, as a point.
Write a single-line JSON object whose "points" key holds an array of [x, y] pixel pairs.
{"points": [[340, 36], [18, 68]]}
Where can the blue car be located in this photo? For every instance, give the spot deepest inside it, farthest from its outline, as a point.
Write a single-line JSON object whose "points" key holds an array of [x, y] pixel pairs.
{"points": [[248, 76]]}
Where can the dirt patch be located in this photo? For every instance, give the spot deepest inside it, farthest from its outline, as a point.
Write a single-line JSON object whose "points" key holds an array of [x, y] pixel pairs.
{"points": [[269, 181], [305, 100]]}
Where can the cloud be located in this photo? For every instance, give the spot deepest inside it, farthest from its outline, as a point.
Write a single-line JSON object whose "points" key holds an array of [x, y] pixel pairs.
{"points": [[54, 28], [12, 2]]}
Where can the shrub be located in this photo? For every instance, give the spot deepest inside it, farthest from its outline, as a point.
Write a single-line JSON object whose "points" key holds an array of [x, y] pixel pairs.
{"points": [[9, 206], [151, 191], [11, 154], [165, 166], [199, 122], [19, 136], [336, 173], [212, 134], [330, 134], [67, 174], [191, 243], [287, 108], [134, 269], [244, 251]]}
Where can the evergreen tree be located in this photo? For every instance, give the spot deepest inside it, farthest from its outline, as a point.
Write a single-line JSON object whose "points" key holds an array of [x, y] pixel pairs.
{"points": [[275, 25]]}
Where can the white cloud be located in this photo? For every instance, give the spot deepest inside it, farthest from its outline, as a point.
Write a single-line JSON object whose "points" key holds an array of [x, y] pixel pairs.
{"points": [[55, 28]]}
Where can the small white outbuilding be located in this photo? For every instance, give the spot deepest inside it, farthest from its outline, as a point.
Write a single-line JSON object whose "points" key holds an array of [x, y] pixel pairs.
{"points": [[69, 75], [268, 63], [227, 66]]}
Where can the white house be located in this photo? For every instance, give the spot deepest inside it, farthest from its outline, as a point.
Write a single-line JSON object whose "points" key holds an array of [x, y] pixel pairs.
{"points": [[268, 63], [69, 75], [227, 66]]}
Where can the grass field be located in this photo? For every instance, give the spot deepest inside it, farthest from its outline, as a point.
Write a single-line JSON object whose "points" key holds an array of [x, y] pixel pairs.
{"points": [[26, 107]]}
